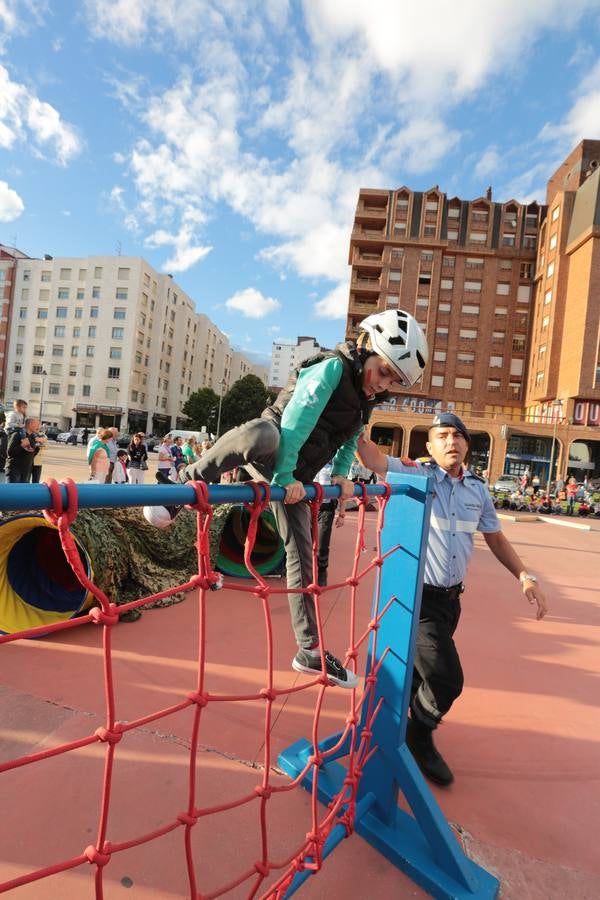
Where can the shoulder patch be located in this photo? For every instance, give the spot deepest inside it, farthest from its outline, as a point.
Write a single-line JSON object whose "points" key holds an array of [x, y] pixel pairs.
{"points": [[406, 461]]}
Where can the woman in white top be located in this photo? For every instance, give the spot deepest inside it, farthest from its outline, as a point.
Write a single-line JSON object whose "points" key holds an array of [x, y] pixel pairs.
{"points": [[165, 459]]}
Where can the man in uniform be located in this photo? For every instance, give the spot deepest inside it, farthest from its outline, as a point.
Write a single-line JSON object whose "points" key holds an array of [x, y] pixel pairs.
{"points": [[461, 505]]}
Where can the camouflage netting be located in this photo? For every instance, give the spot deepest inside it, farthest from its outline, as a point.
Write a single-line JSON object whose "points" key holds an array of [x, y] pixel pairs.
{"points": [[132, 559]]}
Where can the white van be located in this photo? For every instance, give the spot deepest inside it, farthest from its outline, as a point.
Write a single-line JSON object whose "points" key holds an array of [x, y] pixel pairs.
{"points": [[198, 436]]}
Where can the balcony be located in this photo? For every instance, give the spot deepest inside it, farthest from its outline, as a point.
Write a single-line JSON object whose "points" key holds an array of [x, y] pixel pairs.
{"points": [[368, 234], [365, 283]]}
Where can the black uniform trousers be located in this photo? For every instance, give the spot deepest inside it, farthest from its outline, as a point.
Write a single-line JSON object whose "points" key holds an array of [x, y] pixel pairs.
{"points": [[437, 674]]}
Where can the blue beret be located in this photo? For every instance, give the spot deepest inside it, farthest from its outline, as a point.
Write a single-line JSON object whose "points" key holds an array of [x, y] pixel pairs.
{"points": [[450, 420]]}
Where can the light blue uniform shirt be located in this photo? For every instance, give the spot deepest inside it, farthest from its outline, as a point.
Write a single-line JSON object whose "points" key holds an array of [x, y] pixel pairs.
{"points": [[461, 506]]}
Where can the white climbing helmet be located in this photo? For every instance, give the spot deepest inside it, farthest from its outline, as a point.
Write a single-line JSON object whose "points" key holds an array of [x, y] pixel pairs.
{"points": [[398, 338]]}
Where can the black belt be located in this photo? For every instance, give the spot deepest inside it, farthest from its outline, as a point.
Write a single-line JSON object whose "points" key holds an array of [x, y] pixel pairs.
{"points": [[454, 591]]}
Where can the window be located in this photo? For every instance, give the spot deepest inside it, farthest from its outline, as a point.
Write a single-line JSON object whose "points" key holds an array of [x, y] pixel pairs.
{"points": [[526, 270], [93, 312], [38, 350], [123, 274], [473, 286], [545, 322], [392, 301], [117, 334], [550, 270], [441, 332], [553, 241], [447, 284], [92, 331], [17, 368], [134, 396], [63, 293], [35, 388], [496, 362], [86, 390], [90, 350], [466, 359], [119, 312], [548, 297], [57, 350], [468, 334], [42, 313], [443, 307], [423, 302], [508, 240], [61, 312], [501, 311], [529, 242], [493, 385], [439, 356], [524, 293], [429, 231], [478, 237], [474, 262], [59, 330], [425, 278], [78, 312], [19, 350], [65, 275], [23, 312], [114, 372], [437, 381], [146, 279], [98, 272], [82, 274], [115, 353], [26, 274], [21, 331], [395, 275], [452, 235], [539, 377], [53, 388], [70, 390], [37, 370], [40, 331], [80, 294], [426, 256], [470, 310], [46, 276], [24, 294], [555, 213], [503, 288], [121, 293], [96, 293], [44, 295], [518, 343], [463, 383], [76, 331], [56, 368], [448, 261], [454, 212]]}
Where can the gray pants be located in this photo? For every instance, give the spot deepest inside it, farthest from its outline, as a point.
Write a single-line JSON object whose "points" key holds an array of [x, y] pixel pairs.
{"points": [[254, 446]]}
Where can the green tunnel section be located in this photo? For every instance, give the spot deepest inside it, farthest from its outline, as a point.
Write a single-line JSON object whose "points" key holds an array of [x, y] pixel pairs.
{"points": [[268, 556]]}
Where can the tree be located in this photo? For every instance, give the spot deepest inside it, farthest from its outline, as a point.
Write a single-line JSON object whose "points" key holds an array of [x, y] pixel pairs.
{"points": [[246, 400], [201, 408]]}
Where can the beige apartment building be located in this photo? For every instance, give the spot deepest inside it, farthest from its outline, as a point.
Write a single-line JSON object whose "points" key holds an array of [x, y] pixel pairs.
{"points": [[109, 340], [508, 295]]}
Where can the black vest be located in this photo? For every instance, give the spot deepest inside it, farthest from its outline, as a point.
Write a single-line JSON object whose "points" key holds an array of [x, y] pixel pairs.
{"points": [[347, 410]]}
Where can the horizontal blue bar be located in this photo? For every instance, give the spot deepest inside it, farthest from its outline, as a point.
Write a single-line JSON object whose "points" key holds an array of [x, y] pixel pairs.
{"points": [[97, 496]]}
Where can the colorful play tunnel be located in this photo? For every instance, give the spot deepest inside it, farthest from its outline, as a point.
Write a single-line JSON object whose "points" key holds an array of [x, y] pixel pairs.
{"points": [[268, 556], [37, 584]]}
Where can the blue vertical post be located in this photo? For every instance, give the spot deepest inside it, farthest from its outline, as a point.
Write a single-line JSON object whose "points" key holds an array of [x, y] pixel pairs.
{"points": [[422, 845]]}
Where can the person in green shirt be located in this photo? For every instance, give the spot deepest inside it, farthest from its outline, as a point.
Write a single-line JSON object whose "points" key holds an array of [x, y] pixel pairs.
{"points": [[316, 418]]}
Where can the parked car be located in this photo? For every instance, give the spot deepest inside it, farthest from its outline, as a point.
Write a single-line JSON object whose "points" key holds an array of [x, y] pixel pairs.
{"points": [[74, 436], [51, 432], [507, 484], [124, 441]]}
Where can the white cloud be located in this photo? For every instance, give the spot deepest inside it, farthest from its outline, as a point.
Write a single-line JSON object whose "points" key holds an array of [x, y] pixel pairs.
{"points": [[489, 163], [23, 117], [335, 304], [11, 205], [187, 251], [583, 119], [252, 303]]}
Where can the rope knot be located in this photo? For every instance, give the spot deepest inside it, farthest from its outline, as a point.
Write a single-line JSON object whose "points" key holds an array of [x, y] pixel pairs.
{"points": [[107, 616], [111, 737], [353, 582], [264, 792], [352, 719], [199, 698], [378, 561], [262, 868], [316, 760], [373, 625], [314, 589], [187, 818], [201, 490], [95, 857], [268, 693]]}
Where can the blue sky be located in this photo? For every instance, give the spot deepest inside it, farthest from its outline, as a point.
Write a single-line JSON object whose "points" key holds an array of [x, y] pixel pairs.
{"points": [[226, 141]]}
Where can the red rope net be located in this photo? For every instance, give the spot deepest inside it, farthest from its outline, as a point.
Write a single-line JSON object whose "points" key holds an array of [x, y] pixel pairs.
{"points": [[259, 878]]}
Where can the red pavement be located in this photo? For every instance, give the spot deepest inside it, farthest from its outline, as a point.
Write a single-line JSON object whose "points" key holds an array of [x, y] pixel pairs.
{"points": [[523, 740]]}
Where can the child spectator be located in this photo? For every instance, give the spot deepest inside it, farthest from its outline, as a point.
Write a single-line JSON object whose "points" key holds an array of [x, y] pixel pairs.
{"points": [[119, 475]]}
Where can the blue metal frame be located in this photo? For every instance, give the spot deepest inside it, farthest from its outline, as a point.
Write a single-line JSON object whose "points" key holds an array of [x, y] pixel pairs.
{"points": [[422, 845]]}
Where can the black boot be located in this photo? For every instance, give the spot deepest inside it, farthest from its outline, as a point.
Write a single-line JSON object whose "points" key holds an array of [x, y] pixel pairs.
{"points": [[419, 740]]}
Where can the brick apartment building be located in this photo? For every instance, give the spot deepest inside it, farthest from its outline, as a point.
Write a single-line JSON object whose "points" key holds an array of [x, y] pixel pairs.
{"points": [[509, 297]]}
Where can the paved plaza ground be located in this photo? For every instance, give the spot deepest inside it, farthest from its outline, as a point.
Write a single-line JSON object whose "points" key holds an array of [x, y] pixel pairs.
{"points": [[523, 740]]}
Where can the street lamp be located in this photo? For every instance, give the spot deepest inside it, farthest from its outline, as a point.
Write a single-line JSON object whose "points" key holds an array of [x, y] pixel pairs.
{"points": [[43, 373], [557, 407], [116, 404], [219, 413]]}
